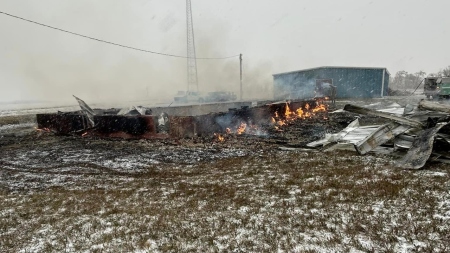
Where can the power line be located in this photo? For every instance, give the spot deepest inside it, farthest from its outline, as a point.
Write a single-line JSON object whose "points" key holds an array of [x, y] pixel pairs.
{"points": [[116, 44]]}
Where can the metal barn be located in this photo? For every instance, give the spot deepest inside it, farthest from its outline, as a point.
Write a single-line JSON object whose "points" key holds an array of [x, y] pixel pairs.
{"points": [[350, 82]]}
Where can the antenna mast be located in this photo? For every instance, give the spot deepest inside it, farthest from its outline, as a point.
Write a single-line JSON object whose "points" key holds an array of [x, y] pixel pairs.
{"points": [[191, 57]]}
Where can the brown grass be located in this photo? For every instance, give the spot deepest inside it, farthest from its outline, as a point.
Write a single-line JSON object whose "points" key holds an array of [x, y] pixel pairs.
{"points": [[14, 120], [274, 201]]}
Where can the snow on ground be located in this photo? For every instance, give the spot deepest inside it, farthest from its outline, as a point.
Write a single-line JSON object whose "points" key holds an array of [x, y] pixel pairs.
{"points": [[82, 198], [66, 194]]}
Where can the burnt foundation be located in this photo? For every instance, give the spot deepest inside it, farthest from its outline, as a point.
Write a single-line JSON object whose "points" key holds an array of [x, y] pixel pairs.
{"points": [[109, 124]]}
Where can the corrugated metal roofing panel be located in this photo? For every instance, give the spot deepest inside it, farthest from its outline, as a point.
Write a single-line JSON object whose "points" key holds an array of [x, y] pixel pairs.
{"points": [[331, 67]]}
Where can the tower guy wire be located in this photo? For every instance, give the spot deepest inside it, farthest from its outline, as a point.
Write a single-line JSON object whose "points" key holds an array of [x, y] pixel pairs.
{"points": [[117, 44]]}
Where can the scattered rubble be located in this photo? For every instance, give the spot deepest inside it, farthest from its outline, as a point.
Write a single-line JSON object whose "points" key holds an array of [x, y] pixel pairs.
{"points": [[422, 132], [415, 133]]}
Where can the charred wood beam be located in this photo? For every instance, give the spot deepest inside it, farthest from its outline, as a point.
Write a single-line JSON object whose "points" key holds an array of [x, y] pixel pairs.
{"points": [[62, 123], [432, 106], [398, 119]]}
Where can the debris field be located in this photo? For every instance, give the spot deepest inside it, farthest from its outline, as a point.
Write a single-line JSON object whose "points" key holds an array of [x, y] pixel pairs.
{"points": [[237, 188]]}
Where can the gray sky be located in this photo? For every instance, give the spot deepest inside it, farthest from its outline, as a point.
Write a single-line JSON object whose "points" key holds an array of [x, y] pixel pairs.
{"points": [[37, 63]]}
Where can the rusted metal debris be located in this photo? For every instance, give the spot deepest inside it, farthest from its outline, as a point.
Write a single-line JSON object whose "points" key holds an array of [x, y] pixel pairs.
{"points": [[424, 133]]}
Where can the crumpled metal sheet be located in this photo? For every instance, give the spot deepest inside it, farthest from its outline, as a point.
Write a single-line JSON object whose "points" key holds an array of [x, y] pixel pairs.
{"points": [[352, 134], [392, 117], [330, 138], [87, 111], [135, 110], [380, 136], [421, 149]]}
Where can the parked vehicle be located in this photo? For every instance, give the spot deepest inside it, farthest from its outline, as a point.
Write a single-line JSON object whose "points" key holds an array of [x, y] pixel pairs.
{"points": [[437, 87], [189, 97], [220, 96]]}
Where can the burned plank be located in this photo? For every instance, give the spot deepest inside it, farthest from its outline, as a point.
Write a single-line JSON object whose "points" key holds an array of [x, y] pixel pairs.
{"points": [[133, 125], [421, 149], [398, 119], [62, 123]]}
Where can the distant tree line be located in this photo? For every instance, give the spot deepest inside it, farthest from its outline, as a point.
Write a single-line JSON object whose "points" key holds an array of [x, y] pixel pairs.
{"points": [[409, 81]]}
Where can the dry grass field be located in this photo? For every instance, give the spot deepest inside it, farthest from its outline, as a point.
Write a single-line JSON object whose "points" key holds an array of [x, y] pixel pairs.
{"points": [[61, 194]]}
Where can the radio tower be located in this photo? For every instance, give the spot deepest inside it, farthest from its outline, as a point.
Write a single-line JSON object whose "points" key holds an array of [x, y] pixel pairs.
{"points": [[191, 57]]}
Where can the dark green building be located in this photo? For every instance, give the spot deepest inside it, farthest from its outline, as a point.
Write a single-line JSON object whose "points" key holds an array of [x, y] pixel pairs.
{"points": [[350, 82]]}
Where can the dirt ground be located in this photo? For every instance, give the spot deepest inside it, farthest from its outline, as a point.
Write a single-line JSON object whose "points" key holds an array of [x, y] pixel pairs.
{"points": [[246, 194]]}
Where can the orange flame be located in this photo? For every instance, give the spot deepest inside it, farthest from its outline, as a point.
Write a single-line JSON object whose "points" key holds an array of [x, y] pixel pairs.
{"points": [[219, 137], [320, 108], [47, 130], [241, 128], [281, 123], [287, 112], [301, 113]]}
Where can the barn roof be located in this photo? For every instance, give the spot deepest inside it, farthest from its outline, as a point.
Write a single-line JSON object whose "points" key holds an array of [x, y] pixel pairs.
{"points": [[331, 67]]}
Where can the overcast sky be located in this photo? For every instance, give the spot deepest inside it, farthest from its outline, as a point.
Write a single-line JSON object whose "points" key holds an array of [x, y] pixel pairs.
{"points": [[37, 63]]}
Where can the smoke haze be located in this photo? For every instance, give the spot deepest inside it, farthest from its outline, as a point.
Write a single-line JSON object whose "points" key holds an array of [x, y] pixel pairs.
{"points": [[37, 63]]}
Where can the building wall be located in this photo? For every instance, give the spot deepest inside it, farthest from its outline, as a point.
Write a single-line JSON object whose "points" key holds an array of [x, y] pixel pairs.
{"points": [[350, 83], [386, 83]]}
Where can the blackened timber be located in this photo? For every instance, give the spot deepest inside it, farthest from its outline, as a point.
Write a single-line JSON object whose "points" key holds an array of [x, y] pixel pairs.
{"points": [[110, 125], [62, 123], [133, 125], [398, 119]]}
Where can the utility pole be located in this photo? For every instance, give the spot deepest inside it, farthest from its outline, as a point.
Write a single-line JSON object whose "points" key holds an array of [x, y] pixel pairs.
{"points": [[240, 65], [191, 56]]}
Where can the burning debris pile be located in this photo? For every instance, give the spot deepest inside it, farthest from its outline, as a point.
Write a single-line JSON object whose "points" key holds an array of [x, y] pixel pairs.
{"points": [[280, 121], [292, 124], [264, 121], [418, 134]]}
